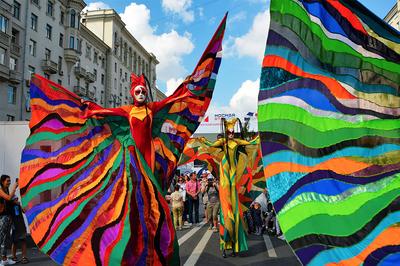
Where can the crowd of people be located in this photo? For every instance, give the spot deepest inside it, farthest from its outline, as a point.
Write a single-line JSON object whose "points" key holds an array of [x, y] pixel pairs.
{"points": [[12, 225], [190, 192]]}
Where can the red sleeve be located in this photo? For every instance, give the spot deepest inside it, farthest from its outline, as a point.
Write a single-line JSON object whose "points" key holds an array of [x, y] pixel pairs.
{"points": [[94, 109]]}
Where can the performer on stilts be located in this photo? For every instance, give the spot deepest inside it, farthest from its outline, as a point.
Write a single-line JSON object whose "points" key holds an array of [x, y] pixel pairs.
{"points": [[231, 170], [93, 180]]}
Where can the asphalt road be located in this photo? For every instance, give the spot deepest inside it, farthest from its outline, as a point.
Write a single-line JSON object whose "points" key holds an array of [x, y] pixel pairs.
{"points": [[200, 246]]}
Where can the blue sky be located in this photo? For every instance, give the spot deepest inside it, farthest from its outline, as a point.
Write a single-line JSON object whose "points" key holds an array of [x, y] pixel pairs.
{"points": [[177, 31]]}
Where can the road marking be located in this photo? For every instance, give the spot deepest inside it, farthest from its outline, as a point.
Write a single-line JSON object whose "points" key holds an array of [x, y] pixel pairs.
{"points": [[270, 247], [194, 257], [190, 233]]}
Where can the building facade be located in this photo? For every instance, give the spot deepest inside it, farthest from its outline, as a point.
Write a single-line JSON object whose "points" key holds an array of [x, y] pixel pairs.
{"points": [[127, 55], [47, 37], [393, 17]]}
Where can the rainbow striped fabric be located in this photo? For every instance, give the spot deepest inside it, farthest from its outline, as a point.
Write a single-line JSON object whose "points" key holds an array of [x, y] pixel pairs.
{"points": [[91, 196], [251, 183], [329, 112]]}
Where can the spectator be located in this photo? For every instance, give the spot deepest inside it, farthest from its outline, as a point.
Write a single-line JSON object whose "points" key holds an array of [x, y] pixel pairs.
{"points": [[18, 232], [182, 190], [193, 188], [5, 218], [203, 183], [257, 219], [270, 219], [212, 192], [177, 207]]}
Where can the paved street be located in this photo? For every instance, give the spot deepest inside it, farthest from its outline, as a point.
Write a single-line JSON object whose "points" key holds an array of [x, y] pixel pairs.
{"points": [[199, 246]]}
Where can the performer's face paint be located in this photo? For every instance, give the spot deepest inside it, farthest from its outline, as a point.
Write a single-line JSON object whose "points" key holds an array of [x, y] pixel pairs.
{"points": [[231, 133], [140, 94]]}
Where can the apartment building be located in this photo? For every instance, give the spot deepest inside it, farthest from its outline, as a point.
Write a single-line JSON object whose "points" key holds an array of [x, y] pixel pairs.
{"points": [[127, 56], [12, 36], [393, 17], [48, 38]]}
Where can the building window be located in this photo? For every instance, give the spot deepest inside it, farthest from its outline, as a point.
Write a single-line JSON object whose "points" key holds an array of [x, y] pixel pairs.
{"points": [[59, 64], [115, 67], [102, 79], [10, 118], [14, 36], [103, 62], [50, 8], [17, 10], [61, 40], [36, 2], [2, 56], [3, 24], [78, 45], [88, 51], [34, 22], [71, 42], [126, 76], [32, 47], [62, 15], [46, 75], [13, 63], [72, 18], [95, 57], [59, 82], [95, 72], [48, 31], [11, 94], [31, 70], [47, 54]]}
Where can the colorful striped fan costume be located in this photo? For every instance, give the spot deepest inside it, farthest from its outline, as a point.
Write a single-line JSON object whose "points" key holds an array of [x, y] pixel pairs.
{"points": [[328, 115], [252, 181], [93, 195], [235, 158]]}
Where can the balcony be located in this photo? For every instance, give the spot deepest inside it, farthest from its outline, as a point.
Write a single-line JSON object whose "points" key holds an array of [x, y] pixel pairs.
{"points": [[4, 72], [80, 91], [4, 38], [90, 77], [71, 55], [6, 6], [15, 49], [49, 66], [80, 72], [15, 77], [91, 95]]}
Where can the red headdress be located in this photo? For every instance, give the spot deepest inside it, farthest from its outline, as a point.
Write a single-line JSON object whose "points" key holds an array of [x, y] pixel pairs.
{"points": [[138, 81]]}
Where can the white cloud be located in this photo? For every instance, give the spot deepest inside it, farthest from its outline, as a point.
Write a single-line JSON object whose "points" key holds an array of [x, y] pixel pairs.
{"points": [[243, 101], [253, 42], [180, 8], [237, 17], [246, 97], [172, 85], [96, 6], [168, 47]]}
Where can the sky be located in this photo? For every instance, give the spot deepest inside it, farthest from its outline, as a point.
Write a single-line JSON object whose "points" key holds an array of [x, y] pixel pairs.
{"points": [[177, 32]]}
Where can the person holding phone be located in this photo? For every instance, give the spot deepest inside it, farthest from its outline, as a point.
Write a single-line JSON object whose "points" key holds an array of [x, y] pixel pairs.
{"points": [[212, 192], [7, 193]]}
